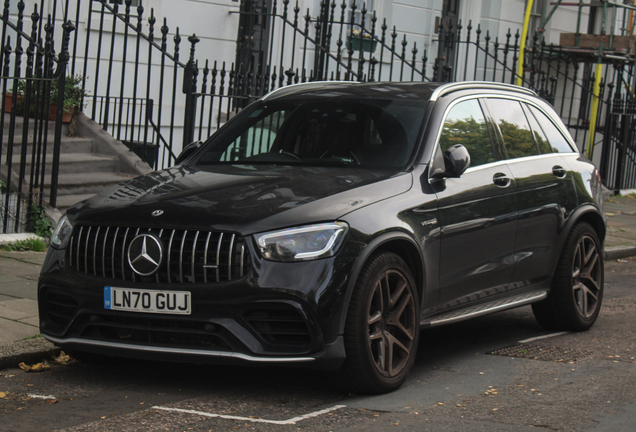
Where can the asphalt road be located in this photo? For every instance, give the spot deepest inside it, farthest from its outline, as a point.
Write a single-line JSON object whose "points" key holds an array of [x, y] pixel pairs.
{"points": [[567, 382]]}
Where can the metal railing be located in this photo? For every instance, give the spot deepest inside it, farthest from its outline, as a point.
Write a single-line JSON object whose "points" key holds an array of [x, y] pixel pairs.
{"points": [[137, 85], [33, 83]]}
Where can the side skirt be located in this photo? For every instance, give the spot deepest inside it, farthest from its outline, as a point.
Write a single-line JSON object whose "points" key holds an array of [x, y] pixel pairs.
{"points": [[484, 309]]}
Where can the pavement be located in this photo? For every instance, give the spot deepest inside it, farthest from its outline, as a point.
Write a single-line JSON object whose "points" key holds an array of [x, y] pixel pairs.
{"points": [[20, 339]]}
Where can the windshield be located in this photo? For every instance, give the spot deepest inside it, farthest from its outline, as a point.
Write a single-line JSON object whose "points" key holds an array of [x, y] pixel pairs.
{"points": [[368, 133]]}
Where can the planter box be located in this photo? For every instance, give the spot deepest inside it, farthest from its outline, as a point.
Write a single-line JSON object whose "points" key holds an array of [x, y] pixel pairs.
{"points": [[593, 41], [8, 99], [148, 152], [361, 44]]}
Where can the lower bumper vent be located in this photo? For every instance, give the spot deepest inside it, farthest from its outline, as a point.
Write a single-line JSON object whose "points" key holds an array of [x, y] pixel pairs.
{"points": [[158, 332], [280, 325]]}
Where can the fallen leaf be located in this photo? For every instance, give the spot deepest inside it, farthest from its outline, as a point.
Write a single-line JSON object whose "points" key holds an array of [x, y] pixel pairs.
{"points": [[53, 401], [38, 367], [63, 358], [3, 394]]}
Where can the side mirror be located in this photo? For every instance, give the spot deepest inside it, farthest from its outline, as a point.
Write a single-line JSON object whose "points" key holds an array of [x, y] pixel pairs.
{"points": [[456, 161], [187, 151]]}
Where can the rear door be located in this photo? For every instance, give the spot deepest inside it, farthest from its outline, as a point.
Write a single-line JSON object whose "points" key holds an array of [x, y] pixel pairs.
{"points": [[545, 192]]}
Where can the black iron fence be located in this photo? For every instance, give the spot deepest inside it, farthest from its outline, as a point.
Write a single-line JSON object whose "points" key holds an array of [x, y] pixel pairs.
{"points": [[143, 82], [33, 86]]}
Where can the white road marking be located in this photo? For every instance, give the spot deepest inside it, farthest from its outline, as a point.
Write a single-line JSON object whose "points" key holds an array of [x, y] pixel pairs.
{"points": [[543, 337], [256, 420], [34, 396]]}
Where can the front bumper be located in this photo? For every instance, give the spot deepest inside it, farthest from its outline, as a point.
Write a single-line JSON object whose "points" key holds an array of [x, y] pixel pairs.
{"points": [[278, 313]]}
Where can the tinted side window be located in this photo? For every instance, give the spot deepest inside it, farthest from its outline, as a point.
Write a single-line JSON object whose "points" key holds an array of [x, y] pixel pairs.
{"points": [[514, 128], [465, 124], [557, 141], [539, 137]]}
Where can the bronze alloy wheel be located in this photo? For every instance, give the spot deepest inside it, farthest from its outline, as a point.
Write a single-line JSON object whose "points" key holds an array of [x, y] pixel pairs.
{"points": [[382, 328], [586, 276], [392, 323], [576, 294]]}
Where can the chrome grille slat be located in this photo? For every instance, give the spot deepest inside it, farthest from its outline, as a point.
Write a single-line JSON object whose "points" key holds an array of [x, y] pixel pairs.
{"points": [[242, 259], [194, 255], [157, 275], [79, 238], [183, 240], [113, 254], [229, 258], [218, 258], [88, 240], [205, 259], [95, 252], [168, 254], [91, 248], [123, 255]]}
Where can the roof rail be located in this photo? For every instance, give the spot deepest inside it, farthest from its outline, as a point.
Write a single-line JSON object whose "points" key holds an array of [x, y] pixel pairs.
{"points": [[466, 85], [306, 84]]}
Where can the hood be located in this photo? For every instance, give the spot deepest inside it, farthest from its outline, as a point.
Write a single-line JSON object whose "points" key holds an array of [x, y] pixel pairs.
{"points": [[240, 198]]}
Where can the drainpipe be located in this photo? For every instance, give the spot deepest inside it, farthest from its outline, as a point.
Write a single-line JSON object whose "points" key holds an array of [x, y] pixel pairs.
{"points": [[522, 47]]}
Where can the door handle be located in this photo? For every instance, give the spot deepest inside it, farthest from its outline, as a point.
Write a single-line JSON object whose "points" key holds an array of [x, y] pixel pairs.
{"points": [[501, 180], [559, 171]]}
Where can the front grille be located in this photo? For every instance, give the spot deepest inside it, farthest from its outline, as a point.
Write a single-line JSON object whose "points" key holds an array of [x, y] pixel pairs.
{"points": [[189, 256], [280, 324], [60, 308], [157, 332]]}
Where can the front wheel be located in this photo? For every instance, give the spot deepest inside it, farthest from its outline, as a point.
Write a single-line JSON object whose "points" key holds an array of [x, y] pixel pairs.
{"points": [[575, 299], [382, 327]]}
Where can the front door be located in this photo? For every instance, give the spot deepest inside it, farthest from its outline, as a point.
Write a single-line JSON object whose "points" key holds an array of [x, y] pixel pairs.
{"points": [[253, 40], [446, 27], [477, 213]]}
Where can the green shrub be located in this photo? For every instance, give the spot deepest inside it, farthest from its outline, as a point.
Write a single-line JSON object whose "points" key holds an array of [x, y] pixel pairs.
{"points": [[31, 244], [38, 223]]}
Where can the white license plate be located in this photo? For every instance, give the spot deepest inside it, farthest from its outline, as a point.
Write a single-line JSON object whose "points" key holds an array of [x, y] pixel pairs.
{"points": [[151, 301]]}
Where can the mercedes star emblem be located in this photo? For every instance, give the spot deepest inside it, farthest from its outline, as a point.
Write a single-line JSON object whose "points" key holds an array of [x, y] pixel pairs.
{"points": [[145, 254], [157, 213]]}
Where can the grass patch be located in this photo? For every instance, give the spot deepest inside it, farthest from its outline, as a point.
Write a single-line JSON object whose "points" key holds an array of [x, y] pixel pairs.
{"points": [[31, 244], [33, 337], [622, 197]]}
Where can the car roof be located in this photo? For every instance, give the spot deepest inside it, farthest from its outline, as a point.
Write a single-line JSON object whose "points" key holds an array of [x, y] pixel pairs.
{"points": [[395, 90]]}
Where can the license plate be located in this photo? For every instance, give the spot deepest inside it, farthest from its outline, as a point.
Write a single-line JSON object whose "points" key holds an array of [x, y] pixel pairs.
{"points": [[151, 301]]}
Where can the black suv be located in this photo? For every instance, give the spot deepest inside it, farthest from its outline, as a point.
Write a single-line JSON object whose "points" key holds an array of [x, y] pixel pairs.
{"points": [[326, 223]]}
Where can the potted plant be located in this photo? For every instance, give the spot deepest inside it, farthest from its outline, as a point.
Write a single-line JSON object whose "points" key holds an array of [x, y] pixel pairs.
{"points": [[73, 95], [360, 40]]}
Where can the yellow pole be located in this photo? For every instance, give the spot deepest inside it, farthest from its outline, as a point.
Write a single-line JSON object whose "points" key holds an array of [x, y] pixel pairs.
{"points": [[594, 112], [522, 47]]}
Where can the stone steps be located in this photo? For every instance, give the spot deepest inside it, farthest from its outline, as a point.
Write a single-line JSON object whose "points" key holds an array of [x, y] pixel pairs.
{"points": [[83, 171]]}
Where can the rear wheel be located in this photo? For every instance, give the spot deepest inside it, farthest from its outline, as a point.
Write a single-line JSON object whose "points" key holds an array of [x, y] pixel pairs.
{"points": [[575, 299], [382, 327]]}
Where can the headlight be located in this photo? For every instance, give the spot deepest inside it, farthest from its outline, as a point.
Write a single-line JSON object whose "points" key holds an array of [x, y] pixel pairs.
{"points": [[302, 243], [62, 233]]}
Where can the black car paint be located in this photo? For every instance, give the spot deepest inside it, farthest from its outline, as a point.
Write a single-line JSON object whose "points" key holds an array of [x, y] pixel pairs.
{"points": [[425, 219]]}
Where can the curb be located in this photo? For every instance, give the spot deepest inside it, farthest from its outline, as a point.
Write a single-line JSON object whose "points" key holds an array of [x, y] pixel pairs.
{"points": [[27, 351], [616, 252]]}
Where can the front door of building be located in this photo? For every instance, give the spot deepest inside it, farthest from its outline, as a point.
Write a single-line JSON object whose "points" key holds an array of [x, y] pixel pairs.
{"points": [[446, 27]]}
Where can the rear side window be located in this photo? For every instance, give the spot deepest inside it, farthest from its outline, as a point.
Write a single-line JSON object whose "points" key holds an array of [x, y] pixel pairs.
{"points": [[465, 124], [514, 127], [539, 137], [556, 140]]}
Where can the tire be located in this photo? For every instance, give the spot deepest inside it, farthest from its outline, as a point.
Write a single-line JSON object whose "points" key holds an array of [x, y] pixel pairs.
{"points": [[382, 327], [574, 301]]}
